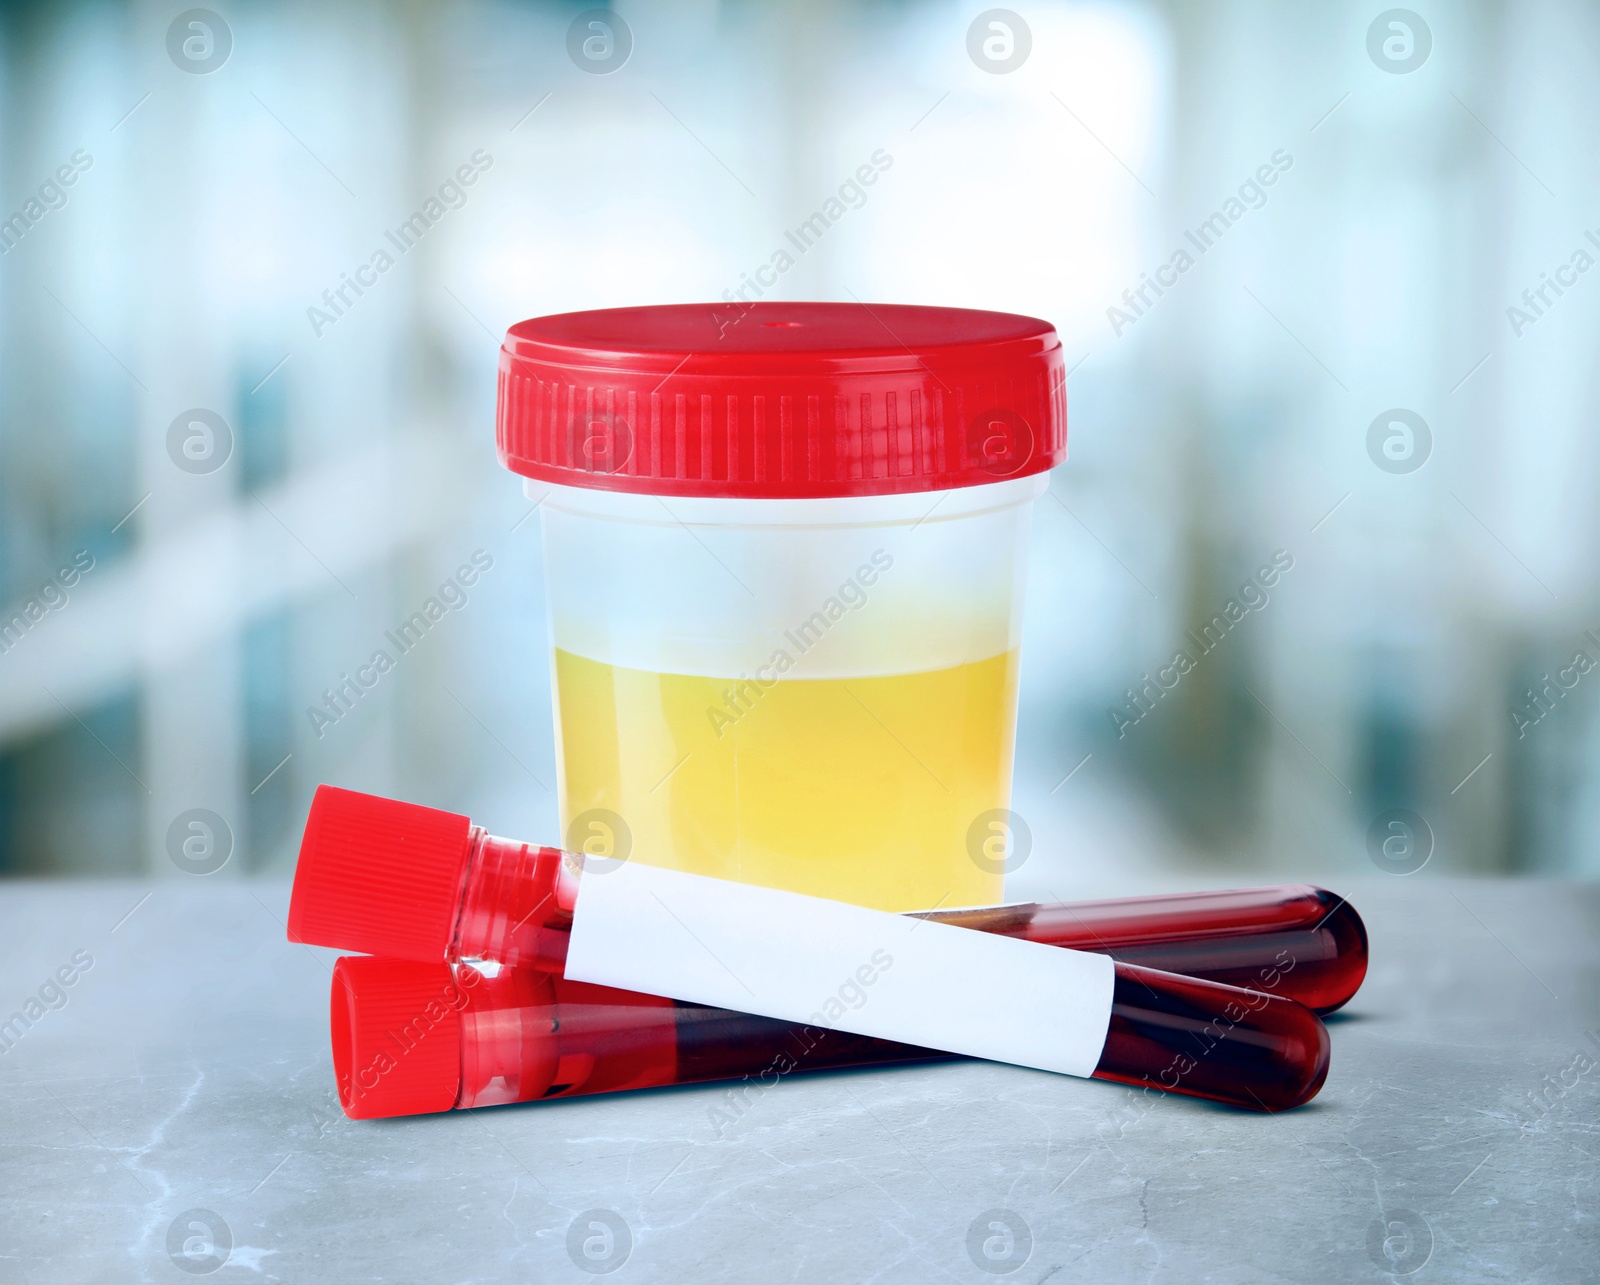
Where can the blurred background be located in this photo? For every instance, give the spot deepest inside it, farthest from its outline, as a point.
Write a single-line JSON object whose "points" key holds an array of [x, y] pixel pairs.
{"points": [[1369, 350]]}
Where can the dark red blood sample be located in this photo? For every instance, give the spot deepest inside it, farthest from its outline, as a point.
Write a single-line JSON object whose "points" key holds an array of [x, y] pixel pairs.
{"points": [[1293, 940], [1296, 941], [416, 1030], [411, 1037], [397, 879], [1184, 1035]]}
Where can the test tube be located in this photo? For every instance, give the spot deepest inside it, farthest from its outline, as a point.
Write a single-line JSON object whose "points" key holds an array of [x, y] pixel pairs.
{"points": [[428, 890], [1293, 939], [397, 879], [412, 1038]]}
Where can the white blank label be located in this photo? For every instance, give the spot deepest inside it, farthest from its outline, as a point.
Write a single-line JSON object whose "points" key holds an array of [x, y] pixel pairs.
{"points": [[836, 966]]}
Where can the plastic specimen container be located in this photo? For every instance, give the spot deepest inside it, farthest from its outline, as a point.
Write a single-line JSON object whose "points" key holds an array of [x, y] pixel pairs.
{"points": [[784, 561]]}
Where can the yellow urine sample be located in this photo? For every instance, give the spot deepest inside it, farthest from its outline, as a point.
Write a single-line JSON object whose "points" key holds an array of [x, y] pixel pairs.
{"points": [[857, 789]]}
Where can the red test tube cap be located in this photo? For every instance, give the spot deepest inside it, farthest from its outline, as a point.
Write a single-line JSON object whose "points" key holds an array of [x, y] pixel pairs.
{"points": [[379, 876], [396, 1032]]}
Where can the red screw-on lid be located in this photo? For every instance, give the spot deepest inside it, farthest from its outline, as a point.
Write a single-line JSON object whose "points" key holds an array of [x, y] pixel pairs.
{"points": [[781, 400], [396, 1031], [379, 876]]}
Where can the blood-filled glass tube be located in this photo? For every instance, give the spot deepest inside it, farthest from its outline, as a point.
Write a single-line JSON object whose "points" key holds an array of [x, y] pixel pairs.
{"points": [[411, 882], [410, 1038], [1291, 939]]}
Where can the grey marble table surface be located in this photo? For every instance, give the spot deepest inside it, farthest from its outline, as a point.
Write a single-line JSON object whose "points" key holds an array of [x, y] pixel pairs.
{"points": [[179, 1103]]}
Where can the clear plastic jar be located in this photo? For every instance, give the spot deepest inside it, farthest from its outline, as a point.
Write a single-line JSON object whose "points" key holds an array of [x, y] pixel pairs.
{"points": [[792, 661]]}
